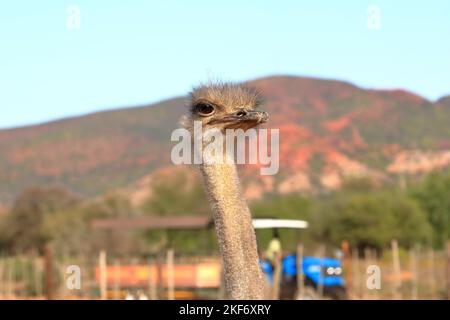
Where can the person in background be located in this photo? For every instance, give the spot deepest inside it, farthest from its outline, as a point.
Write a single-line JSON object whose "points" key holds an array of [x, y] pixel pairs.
{"points": [[274, 249]]}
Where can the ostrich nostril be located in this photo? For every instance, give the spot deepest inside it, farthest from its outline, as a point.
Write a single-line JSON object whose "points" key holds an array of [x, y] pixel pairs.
{"points": [[265, 115], [241, 113]]}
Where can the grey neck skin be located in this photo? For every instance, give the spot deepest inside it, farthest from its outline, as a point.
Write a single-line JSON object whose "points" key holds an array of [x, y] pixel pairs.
{"points": [[235, 233]]}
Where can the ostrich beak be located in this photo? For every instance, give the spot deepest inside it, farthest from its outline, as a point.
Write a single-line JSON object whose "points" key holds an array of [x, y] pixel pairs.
{"points": [[243, 119], [262, 116], [257, 116], [246, 119]]}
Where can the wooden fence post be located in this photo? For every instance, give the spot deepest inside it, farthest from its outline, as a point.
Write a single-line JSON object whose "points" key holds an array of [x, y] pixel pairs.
{"points": [[152, 280], [87, 265], [9, 278], [447, 266], [397, 272], [414, 273], [18, 268], [117, 278], [37, 275], [431, 274], [170, 275], [374, 261], [159, 272], [367, 262], [322, 251], [276, 277], [2, 280], [48, 258], [26, 274], [356, 290], [103, 274], [347, 266], [300, 274], [62, 271]]}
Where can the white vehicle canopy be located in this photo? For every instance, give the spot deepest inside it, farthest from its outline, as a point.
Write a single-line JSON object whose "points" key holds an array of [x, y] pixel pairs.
{"points": [[279, 223]]}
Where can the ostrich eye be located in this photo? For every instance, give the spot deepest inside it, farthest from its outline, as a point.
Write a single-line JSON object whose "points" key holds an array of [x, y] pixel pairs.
{"points": [[204, 109]]}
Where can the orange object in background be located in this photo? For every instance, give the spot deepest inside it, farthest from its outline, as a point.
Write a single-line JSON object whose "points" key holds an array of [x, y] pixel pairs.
{"points": [[187, 275]]}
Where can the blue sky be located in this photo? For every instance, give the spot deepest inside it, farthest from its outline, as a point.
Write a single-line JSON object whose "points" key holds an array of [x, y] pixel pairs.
{"points": [[127, 53]]}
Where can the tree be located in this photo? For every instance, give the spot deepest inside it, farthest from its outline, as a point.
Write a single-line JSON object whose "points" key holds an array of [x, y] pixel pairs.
{"points": [[433, 195], [177, 195], [25, 225], [371, 219]]}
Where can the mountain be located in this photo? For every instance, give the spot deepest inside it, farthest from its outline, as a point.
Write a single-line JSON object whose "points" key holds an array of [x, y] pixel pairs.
{"points": [[444, 101], [328, 130]]}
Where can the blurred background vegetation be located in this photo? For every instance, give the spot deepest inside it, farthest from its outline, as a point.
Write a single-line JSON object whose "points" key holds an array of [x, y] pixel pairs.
{"points": [[367, 215]]}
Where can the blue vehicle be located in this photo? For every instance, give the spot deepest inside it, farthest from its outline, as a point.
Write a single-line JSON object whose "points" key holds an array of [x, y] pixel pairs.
{"points": [[321, 275], [316, 272]]}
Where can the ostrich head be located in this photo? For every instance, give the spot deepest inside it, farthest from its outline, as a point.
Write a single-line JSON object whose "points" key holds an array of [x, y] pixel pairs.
{"points": [[225, 106]]}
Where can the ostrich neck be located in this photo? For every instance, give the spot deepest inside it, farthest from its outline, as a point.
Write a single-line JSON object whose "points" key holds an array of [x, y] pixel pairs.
{"points": [[235, 233]]}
